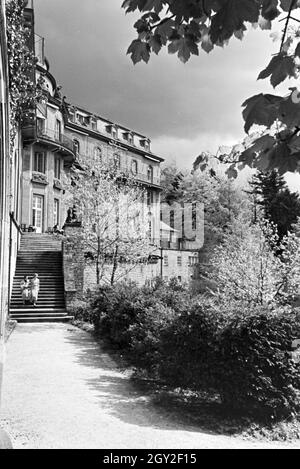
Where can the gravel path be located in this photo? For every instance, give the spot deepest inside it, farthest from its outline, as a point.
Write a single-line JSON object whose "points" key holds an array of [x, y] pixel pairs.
{"points": [[62, 391]]}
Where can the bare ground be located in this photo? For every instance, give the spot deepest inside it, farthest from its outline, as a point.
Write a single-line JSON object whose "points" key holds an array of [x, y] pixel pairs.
{"points": [[62, 390]]}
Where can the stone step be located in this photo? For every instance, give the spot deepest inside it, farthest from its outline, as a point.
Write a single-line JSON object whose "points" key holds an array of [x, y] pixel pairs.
{"points": [[45, 307], [33, 319]]}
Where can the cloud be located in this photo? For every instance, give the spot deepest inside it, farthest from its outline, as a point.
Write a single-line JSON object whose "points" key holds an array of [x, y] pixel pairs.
{"points": [[183, 108], [183, 151]]}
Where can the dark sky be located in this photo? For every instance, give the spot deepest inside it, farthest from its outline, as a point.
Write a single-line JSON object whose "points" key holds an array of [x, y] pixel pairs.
{"points": [[184, 109]]}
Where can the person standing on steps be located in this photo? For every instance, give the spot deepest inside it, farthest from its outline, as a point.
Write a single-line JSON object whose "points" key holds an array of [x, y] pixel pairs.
{"points": [[35, 287], [25, 286]]}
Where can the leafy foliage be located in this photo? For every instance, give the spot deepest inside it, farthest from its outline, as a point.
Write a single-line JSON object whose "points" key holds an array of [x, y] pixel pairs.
{"points": [[185, 27], [240, 352], [246, 267], [114, 225], [223, 204], [24, 92]]}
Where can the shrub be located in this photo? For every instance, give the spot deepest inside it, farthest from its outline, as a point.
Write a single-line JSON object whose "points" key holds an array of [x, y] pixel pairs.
{"points": [[239, 351], [242, 354], [80, 309], [256, 371]]}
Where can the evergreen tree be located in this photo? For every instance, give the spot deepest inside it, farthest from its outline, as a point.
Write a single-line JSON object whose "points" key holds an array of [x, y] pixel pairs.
{"points": [[279, 205]]}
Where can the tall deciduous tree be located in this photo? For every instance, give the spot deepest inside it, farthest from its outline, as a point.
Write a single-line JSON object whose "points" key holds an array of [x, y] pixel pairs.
{"points": [[115, 225], [185, 27], [246, 267]]}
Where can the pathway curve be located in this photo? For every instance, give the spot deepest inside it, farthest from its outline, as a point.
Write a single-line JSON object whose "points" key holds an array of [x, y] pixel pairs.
{"points": [[62, 391]]}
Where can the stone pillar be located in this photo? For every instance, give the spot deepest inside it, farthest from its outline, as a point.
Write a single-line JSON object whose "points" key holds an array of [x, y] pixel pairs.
{"points": [[73, 262]]}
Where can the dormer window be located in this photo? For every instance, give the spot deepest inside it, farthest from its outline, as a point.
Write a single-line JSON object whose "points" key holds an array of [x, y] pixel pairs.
{"points": [[145, 143], [111, 129], [128, 136], [81, 119], [94, 124]]}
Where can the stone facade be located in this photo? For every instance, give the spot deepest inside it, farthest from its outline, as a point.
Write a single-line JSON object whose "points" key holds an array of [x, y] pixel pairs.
{"points": [[53, 141], [73, 263]]}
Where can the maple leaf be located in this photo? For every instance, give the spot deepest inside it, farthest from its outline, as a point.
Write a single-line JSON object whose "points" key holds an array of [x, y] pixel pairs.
{"points": [[281, 67], [286, 4], [155, 43], [261, 109], [261, 146], [139, 51], [156, 5], [297, 50], [184, 47], [231, 17], [289, 112], [280, 158], [269, 9]]}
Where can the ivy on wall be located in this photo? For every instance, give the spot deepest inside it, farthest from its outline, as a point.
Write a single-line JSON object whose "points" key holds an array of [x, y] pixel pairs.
{"points": [[24, 91]]}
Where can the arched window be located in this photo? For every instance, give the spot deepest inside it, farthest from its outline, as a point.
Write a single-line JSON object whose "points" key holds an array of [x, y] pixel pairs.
{"points": [[134, 167], [76, 146], [98, 152], [150, 174], [117, 161]]}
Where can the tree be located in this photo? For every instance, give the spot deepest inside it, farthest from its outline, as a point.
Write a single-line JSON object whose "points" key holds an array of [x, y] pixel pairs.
{"points": [[24, 92], [115, 226], [186, 26], [247, 269], [279, 205], [223, 204], [171, 181]]}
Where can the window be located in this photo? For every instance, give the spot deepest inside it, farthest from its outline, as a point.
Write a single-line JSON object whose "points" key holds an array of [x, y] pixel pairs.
{"points": [[94, 124], [179, 261], [117, 161], [76, 146], [150, 174], [194, 217], [193, 260], [114, 132], [39, 162], [57, 167], [179, 278], [145, 144], [166, 261], [134, 167], [38, 212], [40, 126], [56, 212], [98, 153], [149, 198], [172, 219], [58, 130]]}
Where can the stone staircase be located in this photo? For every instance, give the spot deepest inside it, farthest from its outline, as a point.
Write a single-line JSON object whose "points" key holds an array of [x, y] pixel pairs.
{"points": [[41, 254]]}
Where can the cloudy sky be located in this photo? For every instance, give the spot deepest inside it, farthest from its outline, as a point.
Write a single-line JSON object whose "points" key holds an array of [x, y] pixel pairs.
{"points": [[184, 109]]}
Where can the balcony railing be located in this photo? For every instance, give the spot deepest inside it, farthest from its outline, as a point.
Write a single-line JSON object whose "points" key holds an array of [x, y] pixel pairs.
{"points": [[55, 137], [148, 180]]}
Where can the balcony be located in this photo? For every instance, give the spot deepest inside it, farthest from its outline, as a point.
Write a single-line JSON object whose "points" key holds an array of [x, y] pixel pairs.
{"points": [[153, 181], [57, 142]]}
